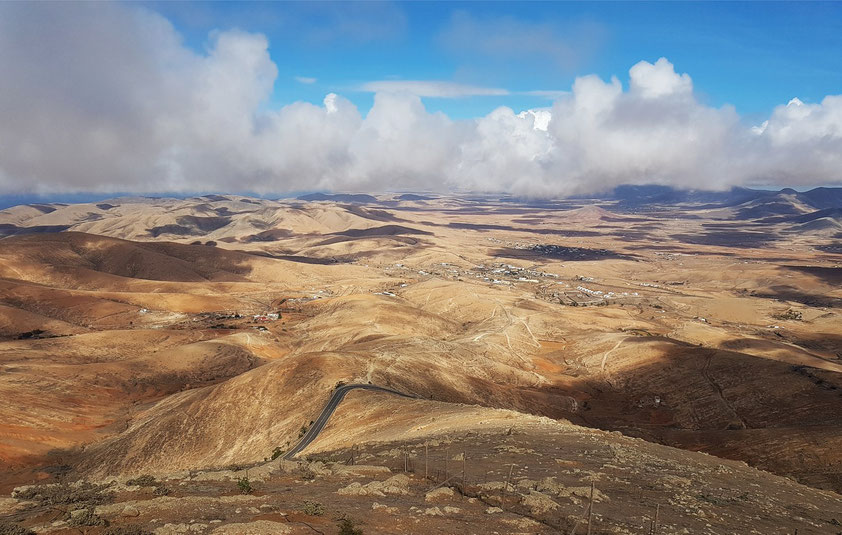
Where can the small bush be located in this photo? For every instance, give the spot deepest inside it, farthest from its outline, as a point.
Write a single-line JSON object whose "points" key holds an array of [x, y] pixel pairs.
{"points": [[347, 527], [277, 453], [143, 481], [161, 490], [792, 315], [85, 494], [313, 508], [87, 518], [244, 485], [14, 529], [306, 473]]}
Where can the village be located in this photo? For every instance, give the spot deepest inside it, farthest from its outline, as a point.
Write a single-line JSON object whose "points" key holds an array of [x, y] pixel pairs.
{"points": [[578, 291]]}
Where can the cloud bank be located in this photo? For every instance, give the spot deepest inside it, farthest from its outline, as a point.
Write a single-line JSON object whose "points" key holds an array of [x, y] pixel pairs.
{"points": [[106, 98]]}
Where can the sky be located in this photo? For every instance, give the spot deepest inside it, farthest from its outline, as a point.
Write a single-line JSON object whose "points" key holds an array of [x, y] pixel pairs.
{"points": [[536, 99]]}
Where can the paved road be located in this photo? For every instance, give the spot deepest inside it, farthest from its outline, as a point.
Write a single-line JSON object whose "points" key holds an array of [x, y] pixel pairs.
{"points": [[333, 402]]}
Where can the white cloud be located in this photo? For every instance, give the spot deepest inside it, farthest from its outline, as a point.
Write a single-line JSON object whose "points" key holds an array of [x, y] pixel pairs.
{"points": [[305, 79], [659, 80], [105, 97], [430, 88]]}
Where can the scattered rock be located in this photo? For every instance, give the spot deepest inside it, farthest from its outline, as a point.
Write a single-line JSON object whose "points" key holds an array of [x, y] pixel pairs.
{"points": [[361, 470], [258, 473], [10, 505], [538, 502], [433, 511], [386, 509], [130, 510], [492, 510], [398, 484], [522, 523], [439, 493]]}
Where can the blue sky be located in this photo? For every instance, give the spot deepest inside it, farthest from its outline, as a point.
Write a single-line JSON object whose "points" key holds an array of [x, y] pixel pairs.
{"points": [[281, 97], [752, 55]]}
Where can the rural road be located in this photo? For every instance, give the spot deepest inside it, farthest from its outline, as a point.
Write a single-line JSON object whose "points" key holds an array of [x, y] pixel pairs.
{"points": [[333, 402]]}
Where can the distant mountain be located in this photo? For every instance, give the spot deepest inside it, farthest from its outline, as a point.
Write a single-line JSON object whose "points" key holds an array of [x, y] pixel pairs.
{"points": [[825, 226], [639, 196], [359, 198], [832, 213], [822, 198], [821, 222], [789, 205], [413, 197], [754, 203]]}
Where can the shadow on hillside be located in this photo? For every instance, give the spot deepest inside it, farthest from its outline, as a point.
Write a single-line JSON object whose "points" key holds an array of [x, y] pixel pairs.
{"points": [[791, 293], [558, 252], [829, 275], [706, 393], [189, 225], [7, 229], [569, 233], [300, 259], [370, 213], [733, 238]]}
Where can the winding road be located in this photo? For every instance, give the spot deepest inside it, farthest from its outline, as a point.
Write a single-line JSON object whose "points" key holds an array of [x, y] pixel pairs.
{"points": [[333, 402]]}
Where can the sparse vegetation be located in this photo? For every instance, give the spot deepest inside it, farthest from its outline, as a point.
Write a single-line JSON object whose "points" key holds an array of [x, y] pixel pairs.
{"points": [[313, 508], [150, 481], [306, 472], [347, 527], [277, 452], [244, 485], [143, 481], [723, 500], [14, 529], [87, 518], [84, 494], [790, 315], [126, 530]]}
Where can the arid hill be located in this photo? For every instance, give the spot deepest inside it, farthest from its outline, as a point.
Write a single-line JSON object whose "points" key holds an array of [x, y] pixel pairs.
{"points": [[162, 336]]}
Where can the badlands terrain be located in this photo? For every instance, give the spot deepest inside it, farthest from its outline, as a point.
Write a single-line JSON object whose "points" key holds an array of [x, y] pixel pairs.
{"points": [[681, 351]]}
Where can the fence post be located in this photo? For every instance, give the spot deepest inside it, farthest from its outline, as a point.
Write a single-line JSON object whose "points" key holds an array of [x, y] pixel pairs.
{"points": [[506, 485], [425, 461], [655, 522], [445, 463], [464, 460], [590, 510]]}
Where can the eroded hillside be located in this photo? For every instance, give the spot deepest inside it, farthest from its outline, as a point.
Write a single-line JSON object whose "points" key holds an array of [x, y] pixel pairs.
{"points": [[145, 340]]}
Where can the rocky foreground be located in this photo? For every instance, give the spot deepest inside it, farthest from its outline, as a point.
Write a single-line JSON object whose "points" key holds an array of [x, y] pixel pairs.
{"points": [[533, 476]]}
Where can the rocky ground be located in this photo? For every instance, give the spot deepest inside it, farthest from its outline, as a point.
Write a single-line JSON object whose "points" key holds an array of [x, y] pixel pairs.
{"points": [[163, 356], [532, 476]]}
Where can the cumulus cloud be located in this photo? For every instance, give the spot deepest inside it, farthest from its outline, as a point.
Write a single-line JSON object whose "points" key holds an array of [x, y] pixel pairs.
{"points": [[106, 97]]}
